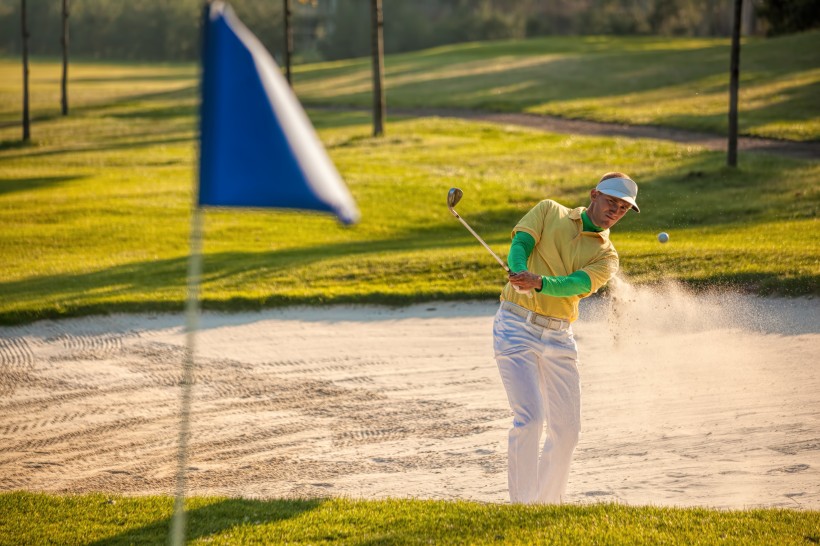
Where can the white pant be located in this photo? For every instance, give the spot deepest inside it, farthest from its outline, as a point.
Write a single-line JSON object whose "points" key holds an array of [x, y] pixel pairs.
{"points": [[539, 369]]}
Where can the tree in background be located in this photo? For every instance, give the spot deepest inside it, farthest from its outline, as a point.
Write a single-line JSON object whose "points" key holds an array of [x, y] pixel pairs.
{"points": [[734, 79], [64, 79], [785, 16], [348, 35], [161, 30], [168, 30], [286, 13], [287, 19], [24, 34], [377, 45], [417, 24]]}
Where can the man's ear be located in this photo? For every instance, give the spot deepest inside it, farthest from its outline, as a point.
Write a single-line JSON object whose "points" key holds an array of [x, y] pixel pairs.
{"points": [[593, 193]]}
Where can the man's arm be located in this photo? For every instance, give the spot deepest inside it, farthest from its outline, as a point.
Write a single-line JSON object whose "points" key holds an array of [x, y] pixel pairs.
{"points": [[520, 250], [572, 285], [561, 286]]}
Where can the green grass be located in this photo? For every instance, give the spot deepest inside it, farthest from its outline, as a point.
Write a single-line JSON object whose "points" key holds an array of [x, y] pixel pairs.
{"points": [[675, 82], [111, 520], [95, 212]]}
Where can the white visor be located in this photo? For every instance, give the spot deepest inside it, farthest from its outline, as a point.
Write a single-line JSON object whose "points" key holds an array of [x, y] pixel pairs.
{"points": [[622, 188]]}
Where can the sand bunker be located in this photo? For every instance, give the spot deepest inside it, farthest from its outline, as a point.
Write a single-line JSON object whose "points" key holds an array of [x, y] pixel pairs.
{"points": [[687, 401]]}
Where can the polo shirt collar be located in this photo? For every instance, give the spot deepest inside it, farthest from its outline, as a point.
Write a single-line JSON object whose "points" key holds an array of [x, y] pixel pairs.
{"points": [[575, 214]]}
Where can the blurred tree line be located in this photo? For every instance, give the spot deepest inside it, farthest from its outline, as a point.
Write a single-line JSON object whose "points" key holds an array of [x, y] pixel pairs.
{"points": [[336, 29]]}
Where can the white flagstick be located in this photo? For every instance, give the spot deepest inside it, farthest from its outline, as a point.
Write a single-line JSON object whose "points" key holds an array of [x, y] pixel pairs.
{"points": [[191, 327]]}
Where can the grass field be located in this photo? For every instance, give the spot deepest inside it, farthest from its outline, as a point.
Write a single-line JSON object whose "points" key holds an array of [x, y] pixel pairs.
{"points": [[674, 82], [680, 82], [106, 520], [95, 212]]}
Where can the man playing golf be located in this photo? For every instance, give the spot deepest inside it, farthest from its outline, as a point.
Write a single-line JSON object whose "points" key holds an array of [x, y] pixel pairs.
{"points": [[558, 256]]}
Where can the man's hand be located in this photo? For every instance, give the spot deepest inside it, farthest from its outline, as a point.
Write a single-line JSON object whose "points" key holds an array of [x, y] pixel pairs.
{"points": [[524, 281]]}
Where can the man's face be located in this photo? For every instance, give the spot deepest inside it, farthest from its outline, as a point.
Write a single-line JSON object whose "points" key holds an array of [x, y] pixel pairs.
{"points": [[605, 210]]}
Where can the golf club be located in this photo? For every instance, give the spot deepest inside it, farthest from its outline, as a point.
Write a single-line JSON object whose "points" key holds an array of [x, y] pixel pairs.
{"points": [[453, 197]]}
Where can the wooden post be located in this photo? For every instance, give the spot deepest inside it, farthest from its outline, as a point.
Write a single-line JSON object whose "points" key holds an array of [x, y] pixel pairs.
{"points": [[288, 41], [64, 41], [734, 76], [377, 49], [26, 120]]}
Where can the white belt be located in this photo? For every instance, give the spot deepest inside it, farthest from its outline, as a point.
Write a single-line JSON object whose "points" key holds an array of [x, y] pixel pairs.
{"points": [[551, 323]]}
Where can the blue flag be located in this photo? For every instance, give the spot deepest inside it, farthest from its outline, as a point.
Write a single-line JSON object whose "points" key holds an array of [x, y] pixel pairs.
{"points": [[257, 146]]}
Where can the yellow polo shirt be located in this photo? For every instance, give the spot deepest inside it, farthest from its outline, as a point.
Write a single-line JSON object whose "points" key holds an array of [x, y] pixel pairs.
{"points": [[561, 248]]}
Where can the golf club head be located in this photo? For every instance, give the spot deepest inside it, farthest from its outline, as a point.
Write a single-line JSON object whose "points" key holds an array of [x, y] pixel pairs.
{"points": [[453, 197]]}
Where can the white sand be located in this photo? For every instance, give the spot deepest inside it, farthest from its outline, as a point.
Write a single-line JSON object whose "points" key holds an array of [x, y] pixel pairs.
{"points": [[698, 401]]}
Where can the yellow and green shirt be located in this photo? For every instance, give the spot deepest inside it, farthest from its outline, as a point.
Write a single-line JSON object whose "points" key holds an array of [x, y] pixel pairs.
{"points": [[563, 248]]}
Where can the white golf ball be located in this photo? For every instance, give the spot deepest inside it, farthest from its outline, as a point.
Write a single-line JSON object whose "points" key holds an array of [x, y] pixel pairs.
{"points": [[663, 236]]}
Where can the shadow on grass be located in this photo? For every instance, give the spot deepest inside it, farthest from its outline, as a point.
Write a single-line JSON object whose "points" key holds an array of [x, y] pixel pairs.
{"points": [[182, 76], [169, 112], [108, 146], [214, 519], [328, 118], [185, 92], [11, 185], [101, 107], [14, 144]]}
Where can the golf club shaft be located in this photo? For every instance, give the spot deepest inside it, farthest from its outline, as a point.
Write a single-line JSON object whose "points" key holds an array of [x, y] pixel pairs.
{"points": [[480, 240]]}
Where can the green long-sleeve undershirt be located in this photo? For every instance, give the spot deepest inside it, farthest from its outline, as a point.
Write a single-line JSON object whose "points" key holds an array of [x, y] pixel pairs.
{"points": [[574, 284]]}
